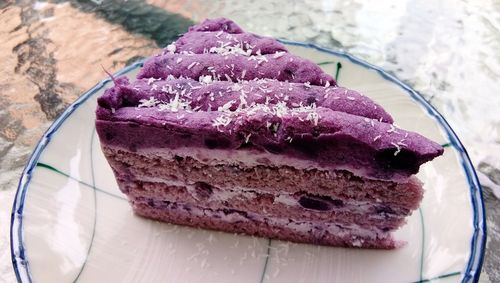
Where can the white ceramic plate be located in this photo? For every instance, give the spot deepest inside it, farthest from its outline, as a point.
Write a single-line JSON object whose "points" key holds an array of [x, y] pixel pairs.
{"points": [[71, 223]]}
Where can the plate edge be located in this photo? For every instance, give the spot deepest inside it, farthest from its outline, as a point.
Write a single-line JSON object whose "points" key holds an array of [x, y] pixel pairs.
{"points": [[17, 249]]}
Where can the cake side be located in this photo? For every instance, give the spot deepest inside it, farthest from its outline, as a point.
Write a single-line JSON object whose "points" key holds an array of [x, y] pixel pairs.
{"points": [[257, 225], [335, 184], [360, 211]]}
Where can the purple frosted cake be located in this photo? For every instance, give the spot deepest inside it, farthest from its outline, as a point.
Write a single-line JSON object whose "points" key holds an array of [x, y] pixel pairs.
{"points": [[227, 130]]}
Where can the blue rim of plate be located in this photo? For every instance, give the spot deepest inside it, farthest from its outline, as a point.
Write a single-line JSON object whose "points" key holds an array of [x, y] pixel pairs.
{"points": [[478, 241]]}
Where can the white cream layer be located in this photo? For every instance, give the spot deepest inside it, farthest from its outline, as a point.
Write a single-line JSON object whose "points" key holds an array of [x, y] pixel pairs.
{"points": [[250, 158], [354, 231], [225, 194]]}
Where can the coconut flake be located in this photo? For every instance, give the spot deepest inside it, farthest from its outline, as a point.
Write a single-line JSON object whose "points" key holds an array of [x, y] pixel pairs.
{"points": [[280, 109], [278, 54], [151, 102], [171, 48], [175, 104], [392, 129], [192, 65], [152, 80], [205, 79], [247, 138], [226, 106], [313, 117], [398, 148], [222, 120]]}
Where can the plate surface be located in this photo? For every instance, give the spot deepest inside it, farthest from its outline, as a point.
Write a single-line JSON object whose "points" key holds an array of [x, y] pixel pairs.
{"points": [[71, 223]]}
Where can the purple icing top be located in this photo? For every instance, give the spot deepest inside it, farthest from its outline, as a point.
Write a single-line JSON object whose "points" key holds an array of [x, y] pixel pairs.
{"points": [[229, 96], [234, 67], [224, 95], [219, 24], [223, 33], [202, 42], [220, 49]]}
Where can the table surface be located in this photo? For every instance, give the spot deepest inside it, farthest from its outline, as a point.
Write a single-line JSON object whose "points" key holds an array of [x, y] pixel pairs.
{"points": [[448, 51]]}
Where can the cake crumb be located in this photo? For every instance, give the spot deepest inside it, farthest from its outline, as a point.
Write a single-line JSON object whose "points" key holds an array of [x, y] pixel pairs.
{"points": [[204, 263], [357, 243]]}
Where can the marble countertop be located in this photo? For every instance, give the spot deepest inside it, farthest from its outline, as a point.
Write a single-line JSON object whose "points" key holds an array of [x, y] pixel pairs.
{"points": [[51, 52]]}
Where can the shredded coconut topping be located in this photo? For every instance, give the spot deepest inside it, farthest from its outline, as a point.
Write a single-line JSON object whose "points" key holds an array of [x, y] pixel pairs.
{"points": [[151, 102], [225, 49], [174, 105], [278, 108]]}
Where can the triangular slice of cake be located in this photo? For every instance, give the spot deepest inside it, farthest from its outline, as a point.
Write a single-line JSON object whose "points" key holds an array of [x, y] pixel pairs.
{"points": [[227, 130]]}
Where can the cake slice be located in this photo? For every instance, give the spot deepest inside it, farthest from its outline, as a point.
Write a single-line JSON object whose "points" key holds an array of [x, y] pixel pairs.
{"points": [[227, 130]]}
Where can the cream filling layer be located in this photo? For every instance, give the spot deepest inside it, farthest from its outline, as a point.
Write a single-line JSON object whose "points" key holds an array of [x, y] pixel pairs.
{"points": [[356, 233], [227, 194], [250, 158]]}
